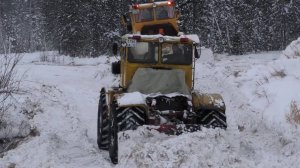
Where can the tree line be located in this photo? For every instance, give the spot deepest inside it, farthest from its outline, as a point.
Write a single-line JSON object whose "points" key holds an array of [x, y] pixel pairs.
{"points": [[80, 27]]}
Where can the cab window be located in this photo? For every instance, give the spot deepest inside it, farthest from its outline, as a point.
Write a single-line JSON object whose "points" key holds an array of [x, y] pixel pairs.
{"points": [[144, 15], [164, 12], [143, 53], [178, 54]]}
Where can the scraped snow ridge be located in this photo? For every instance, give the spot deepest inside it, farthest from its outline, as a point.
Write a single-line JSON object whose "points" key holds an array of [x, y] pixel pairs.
{"points": [[257, 90]]}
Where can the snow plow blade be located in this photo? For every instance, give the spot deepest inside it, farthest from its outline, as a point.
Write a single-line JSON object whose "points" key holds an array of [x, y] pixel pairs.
{"points": [[182, 128], [178, 129]]}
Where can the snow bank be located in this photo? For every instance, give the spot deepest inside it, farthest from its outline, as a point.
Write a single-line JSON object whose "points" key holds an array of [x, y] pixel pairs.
{"points": [[293, 50], [268, 88], [149, 148], [275, 88], [14, 125], [16, 122]]}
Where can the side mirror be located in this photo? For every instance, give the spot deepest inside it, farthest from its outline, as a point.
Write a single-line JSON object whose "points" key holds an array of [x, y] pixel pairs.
{"points": [[129, 28], [177, 14], [116, 68], [115, 48], [124, 20], [197, 55]]}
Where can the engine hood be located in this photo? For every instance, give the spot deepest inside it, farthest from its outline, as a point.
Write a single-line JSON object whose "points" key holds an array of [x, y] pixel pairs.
{"points": [[149, 80]]}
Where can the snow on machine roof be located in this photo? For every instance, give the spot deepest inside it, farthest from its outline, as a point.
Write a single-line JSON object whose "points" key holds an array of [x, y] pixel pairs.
{"points": [[191, 38]]}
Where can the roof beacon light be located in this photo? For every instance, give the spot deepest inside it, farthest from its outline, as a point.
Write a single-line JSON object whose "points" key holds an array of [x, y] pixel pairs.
{"points": [[136, 6], [171, 2]]}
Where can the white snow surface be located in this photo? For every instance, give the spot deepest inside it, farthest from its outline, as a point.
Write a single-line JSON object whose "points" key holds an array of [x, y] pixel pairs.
{"points": [[256, 94]]}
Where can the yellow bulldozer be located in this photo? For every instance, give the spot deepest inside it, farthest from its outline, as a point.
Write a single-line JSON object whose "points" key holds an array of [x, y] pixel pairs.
{"points": [[157, 74]]}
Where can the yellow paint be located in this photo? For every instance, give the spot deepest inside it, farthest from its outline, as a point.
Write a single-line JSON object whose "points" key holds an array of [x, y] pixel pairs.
{"points": [[128, 70], [208, 101]]}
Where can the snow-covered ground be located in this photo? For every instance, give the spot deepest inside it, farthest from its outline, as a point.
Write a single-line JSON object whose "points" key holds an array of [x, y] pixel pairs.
{"points": [[258, 90]]}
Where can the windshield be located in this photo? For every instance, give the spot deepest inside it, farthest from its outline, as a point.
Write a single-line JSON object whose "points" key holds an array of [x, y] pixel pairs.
{"points": [[144, 15], [143, 52], [179, 54], [164, 12]]}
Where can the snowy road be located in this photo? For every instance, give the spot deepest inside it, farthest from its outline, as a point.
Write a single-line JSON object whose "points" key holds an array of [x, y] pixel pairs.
{"points": [[68, 97]]}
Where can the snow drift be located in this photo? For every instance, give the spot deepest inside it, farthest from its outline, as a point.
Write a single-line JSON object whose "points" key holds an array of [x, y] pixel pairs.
{"points": [[257, 89], [293, 50]]}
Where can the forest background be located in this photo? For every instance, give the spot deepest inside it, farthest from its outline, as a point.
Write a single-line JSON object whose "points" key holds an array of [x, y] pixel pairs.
{"points": [[88, 28]]}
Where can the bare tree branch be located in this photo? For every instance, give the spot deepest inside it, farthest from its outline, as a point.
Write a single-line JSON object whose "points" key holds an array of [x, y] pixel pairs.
{"points": [[9, 83]]}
